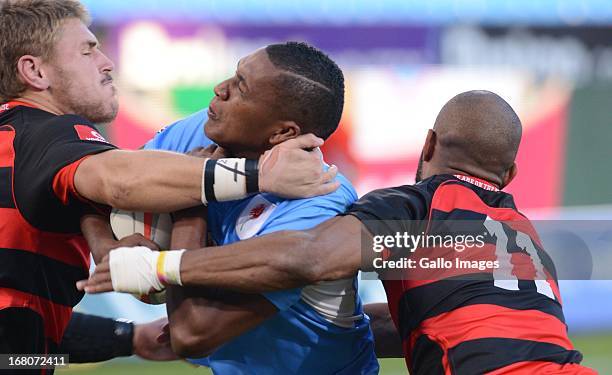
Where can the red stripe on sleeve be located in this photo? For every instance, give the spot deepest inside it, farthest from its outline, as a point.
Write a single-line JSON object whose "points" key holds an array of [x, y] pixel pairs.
{"points": [[63, 182]]}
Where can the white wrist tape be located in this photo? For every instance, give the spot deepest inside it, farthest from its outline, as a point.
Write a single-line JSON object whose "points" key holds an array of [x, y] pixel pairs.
{"points": [[141, 270], [229, 179]]}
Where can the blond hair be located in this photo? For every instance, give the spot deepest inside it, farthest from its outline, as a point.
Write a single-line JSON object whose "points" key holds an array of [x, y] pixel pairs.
{"points": [[30, 27]]}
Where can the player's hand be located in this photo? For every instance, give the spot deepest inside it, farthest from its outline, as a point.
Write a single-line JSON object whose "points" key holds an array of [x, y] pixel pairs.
{"points": [[100, 281], [289, 170], [102, 246], [152, 341], [135, 239], [136, 270]]}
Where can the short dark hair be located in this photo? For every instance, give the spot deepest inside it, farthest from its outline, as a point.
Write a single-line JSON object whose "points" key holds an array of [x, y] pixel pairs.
{"points": [[312, 87]]}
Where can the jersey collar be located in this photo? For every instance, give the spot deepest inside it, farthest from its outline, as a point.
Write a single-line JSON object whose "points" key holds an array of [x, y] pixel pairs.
{"points": [[477, 182], [14, 103]]}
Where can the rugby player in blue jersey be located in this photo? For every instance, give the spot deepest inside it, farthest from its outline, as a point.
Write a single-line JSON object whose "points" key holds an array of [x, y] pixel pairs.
{"points": [[277, 93]]}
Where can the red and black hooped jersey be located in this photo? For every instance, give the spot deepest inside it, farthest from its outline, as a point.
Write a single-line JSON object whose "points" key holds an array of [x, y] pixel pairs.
{"points": [[472, 322], [42, 250]]}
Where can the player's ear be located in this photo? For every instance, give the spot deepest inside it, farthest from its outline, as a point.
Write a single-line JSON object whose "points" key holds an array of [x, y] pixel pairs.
{"points": [[31, 72], [285, 130], [430, 145], [509, 175]]}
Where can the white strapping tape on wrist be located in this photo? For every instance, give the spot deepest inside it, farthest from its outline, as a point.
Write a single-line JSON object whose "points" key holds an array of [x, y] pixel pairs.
{"points": [[230, 179], [169, 267], [224, 180], [132, 270], [141, 270]]}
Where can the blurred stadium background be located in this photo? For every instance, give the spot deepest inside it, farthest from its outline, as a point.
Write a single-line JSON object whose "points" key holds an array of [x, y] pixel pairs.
{"points": [[402, 59]]}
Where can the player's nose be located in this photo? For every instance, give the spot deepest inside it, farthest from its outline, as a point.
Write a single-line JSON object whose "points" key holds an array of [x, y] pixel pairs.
{"points": [[221, 90], [106, 64]]}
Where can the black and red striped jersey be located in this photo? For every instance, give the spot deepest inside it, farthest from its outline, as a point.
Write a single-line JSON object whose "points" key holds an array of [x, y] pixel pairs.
{"points": [[42, 250], [455, 320]]}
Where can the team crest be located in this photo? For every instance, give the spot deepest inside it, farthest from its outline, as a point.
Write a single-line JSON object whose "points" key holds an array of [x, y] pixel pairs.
{"points": [[257, 211], [253, 217]]}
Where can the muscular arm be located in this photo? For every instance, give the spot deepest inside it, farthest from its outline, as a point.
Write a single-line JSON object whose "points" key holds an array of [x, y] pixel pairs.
{"points": [[281, 260], [153, 181], [202, 319], [388, 343], [159, 181]]}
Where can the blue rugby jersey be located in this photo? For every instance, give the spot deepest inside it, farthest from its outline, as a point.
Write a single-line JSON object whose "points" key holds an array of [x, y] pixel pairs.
{"points": [[319, 328]]}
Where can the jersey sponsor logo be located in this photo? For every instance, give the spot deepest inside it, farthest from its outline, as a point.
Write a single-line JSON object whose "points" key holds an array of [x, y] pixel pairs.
{"points": [[161, 130], [86, 133], [253, 217], [477, 182]]}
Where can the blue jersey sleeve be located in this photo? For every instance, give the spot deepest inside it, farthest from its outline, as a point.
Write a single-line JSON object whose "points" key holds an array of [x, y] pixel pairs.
{"points": [[305, 214], [183, 135]]}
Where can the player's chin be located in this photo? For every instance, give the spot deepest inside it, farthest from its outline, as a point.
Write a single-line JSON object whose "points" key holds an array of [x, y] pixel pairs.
{"points": [[105, 114], [213, 129]]}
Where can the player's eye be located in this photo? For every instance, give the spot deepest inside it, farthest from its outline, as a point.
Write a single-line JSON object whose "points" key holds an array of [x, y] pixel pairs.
{"points": [[240, 83]]}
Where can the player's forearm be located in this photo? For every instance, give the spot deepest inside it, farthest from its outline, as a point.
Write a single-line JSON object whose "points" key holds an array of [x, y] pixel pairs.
{"points": [[388, 343], [280, 260], [188, 232], [98, 233], [152, 181], [272, 262], [189, 229], [91, 338], [185, 333], [204, 319], [157, 181]]}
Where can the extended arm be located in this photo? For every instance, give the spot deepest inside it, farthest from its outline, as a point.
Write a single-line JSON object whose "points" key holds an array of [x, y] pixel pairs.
{"points": [[154, 181], [158, 181], [386, 338], [281, 260], [202, 319]]}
